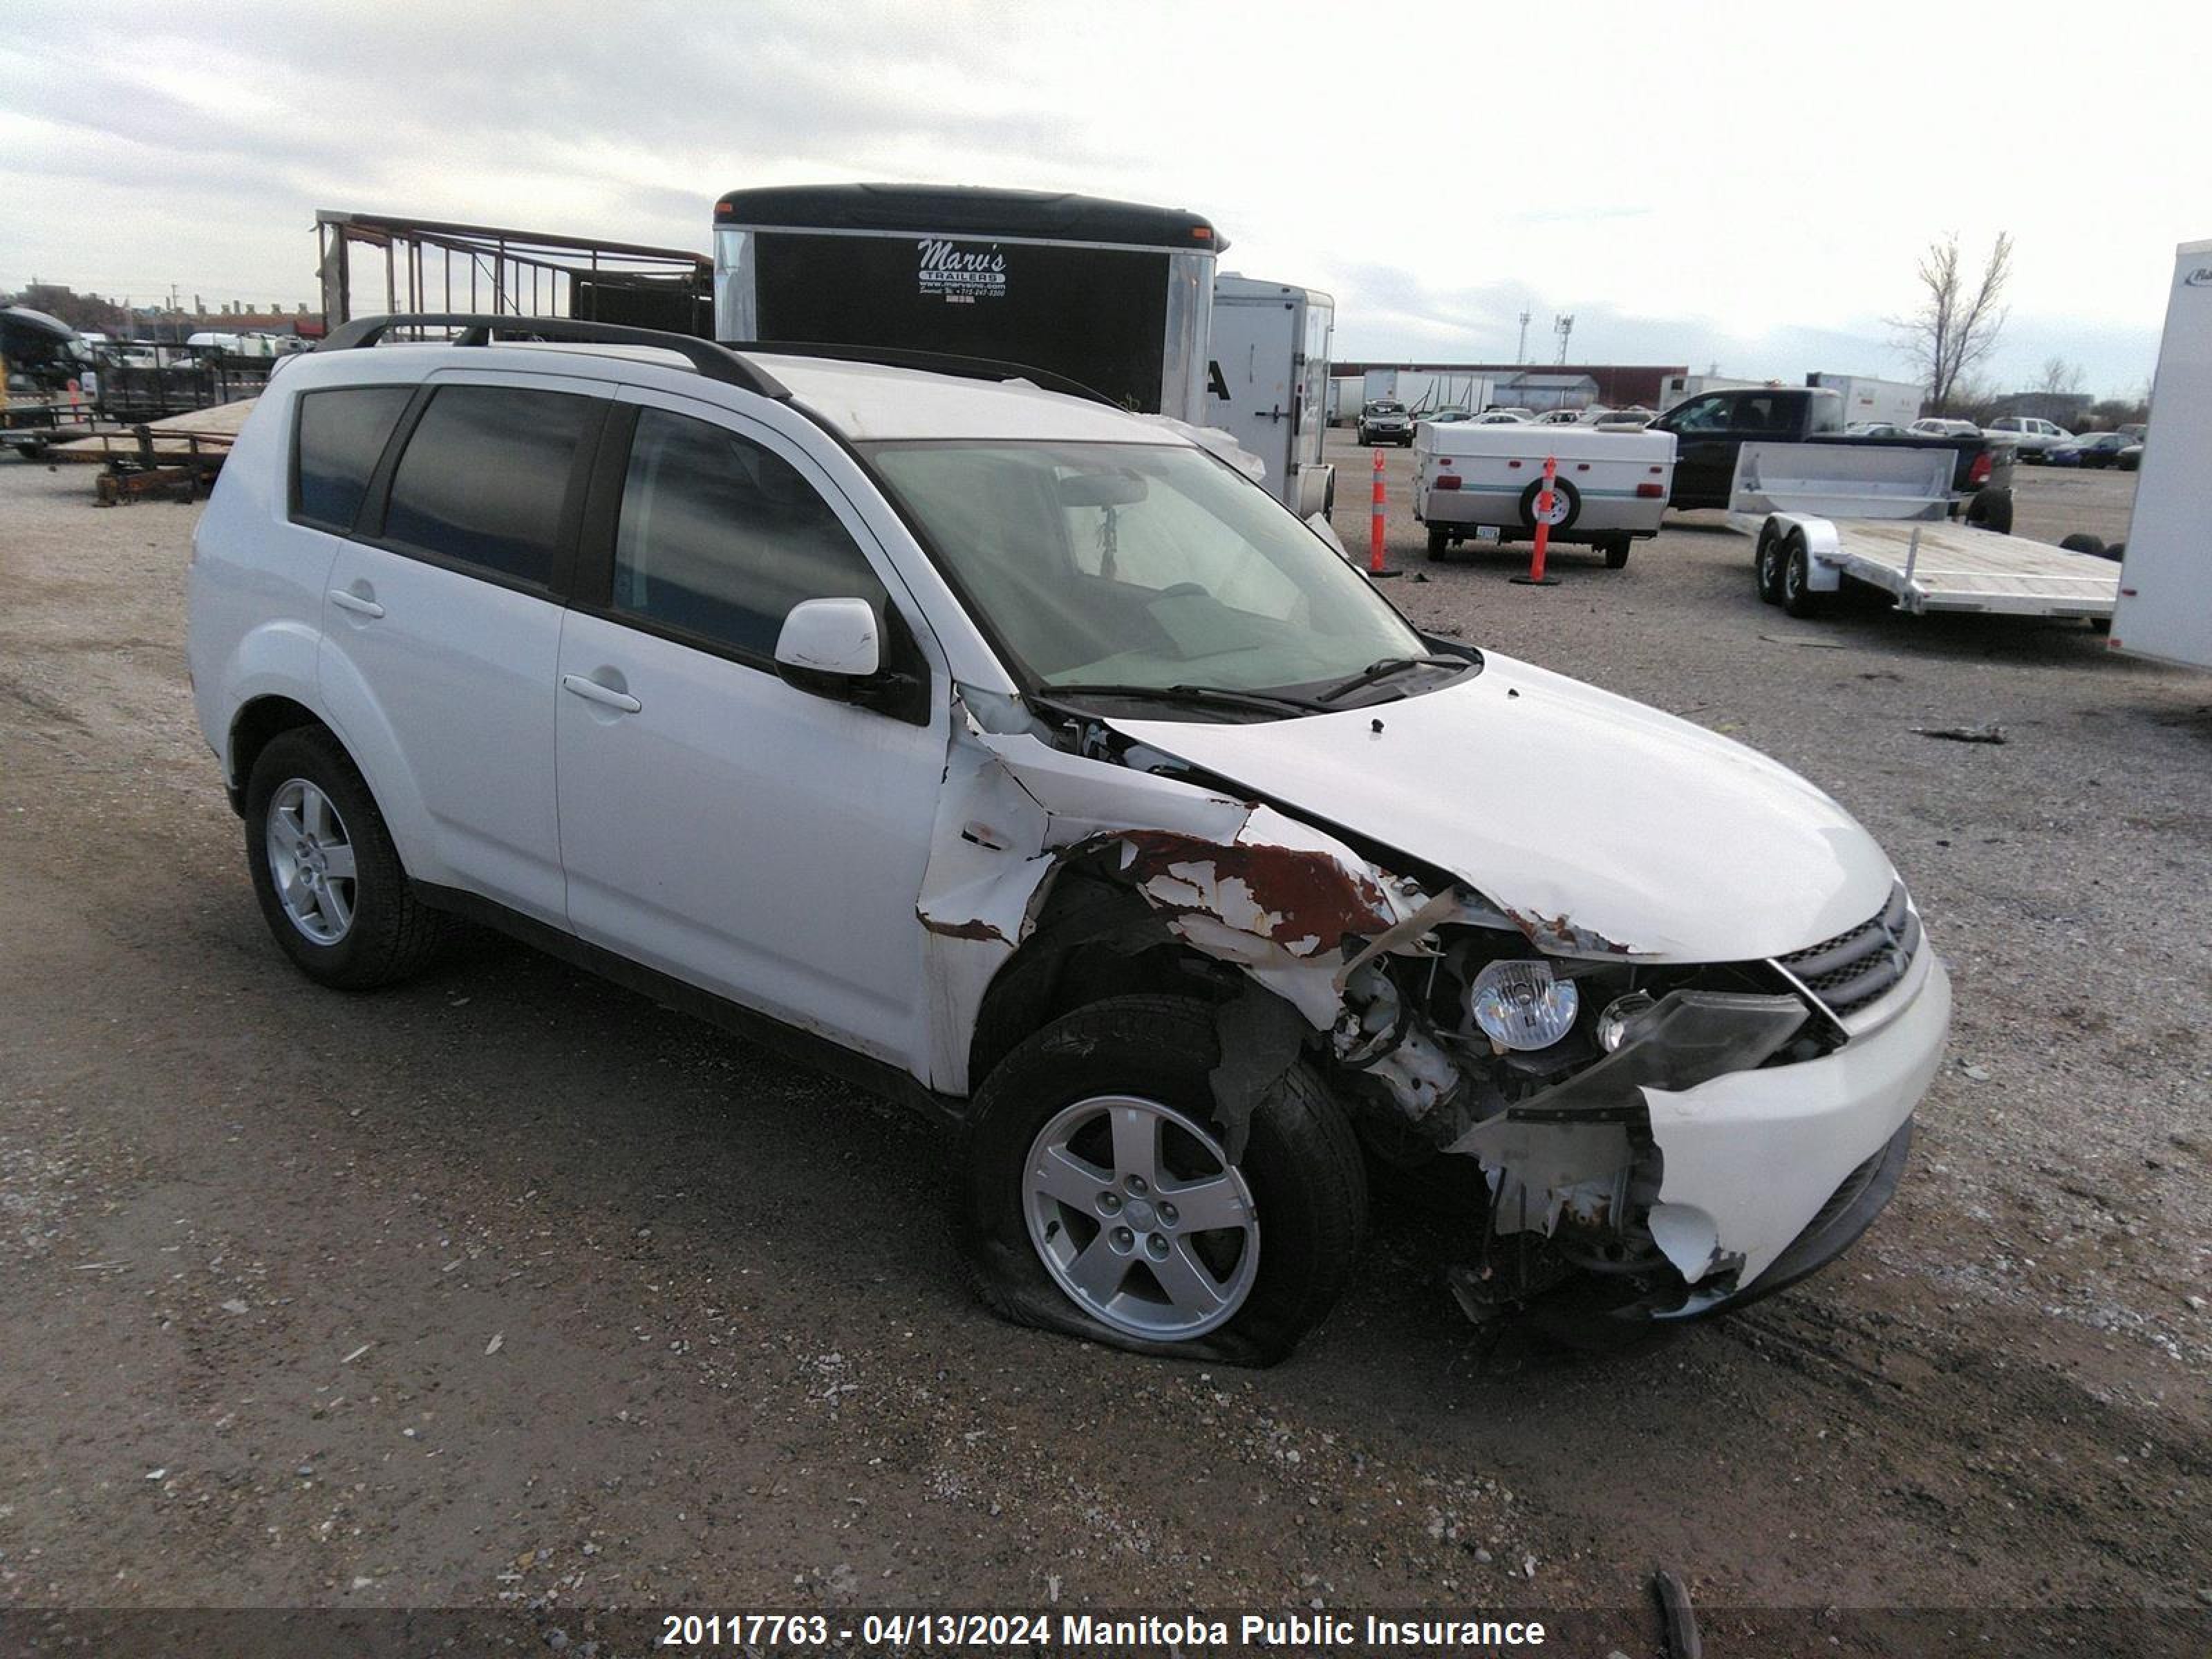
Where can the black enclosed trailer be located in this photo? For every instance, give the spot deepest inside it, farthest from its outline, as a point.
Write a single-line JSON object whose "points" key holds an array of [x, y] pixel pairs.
{"points": [[1113, 294]]}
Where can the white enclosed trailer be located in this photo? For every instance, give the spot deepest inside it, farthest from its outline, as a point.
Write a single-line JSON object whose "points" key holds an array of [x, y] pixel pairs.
{"points": [[1268, 381], [1866, 398], [1424, 391], [1679, 388], [1825, 514], [2166, 574]]}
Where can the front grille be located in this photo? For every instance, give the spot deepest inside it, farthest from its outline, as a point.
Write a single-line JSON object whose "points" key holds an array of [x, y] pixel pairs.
{"points": [[1852, 970]]}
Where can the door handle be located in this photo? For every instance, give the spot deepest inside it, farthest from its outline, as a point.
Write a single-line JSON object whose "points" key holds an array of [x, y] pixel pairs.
{"points": [[346, 600], [591, 691]]}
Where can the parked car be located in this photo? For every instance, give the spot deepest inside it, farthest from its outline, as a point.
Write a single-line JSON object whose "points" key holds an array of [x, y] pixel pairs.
{"points": [[1505, 416], [1558, 417], [1011, 756], [1385, 421], [1877, 429], [1712, 429], [2130, 458], [2095, 449], [1445, 417], [2031, 438], [1939, 426], [1634, 418]]}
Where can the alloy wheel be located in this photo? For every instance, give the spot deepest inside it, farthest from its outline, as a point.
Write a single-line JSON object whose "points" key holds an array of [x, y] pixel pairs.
{"points": [[1140, 1217], [311, 861]]}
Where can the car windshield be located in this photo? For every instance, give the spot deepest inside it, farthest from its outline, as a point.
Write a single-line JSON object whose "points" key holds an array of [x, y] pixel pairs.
{"points": [[1153, 569], [1386, 408]]}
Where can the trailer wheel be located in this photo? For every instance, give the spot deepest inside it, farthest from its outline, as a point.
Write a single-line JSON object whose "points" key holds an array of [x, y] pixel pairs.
{"points": [[1616, 553], [2117, 551], [1566, 504], [1769, 565], [2082, 542], [1799, 598], [1991, 509], [1439, 539]]}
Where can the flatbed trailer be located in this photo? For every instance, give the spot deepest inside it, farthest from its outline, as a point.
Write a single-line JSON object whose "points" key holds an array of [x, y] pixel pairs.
{"points": [[1826, 514]]}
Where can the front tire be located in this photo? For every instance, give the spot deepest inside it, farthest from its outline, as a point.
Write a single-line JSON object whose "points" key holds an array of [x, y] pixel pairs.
{"points": [[326, 871], [1203, 1257]]}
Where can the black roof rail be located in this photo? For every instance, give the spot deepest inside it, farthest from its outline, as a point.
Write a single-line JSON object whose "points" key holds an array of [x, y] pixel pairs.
{"points": [[935, 362], [715, 362]]}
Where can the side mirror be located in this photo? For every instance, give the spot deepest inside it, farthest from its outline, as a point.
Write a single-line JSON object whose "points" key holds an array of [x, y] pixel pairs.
{"points": [[828, 647]]}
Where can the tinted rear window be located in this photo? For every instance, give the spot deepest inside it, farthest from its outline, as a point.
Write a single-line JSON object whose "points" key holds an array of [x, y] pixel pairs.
{"points": [[341, 437], [484, 478]]}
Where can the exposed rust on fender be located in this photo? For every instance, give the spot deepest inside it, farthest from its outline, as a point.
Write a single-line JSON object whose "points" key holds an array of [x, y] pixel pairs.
{"points": [[976, 928], [1558, 933], [1294, 895]]}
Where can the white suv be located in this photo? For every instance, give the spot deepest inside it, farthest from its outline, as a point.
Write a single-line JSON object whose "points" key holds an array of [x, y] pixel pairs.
{"points": [[1015, 756]]}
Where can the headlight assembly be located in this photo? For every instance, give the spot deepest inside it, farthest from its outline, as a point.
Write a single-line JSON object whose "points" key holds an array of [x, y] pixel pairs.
{"points": [[1520, 1004]]}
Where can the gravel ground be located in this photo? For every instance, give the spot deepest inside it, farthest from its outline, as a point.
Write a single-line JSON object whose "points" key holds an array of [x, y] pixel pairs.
{"points": [[510, 1288]]}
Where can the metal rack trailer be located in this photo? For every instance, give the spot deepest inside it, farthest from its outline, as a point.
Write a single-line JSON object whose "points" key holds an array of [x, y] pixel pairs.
{"points": [[432, 265], [1826, 514]]}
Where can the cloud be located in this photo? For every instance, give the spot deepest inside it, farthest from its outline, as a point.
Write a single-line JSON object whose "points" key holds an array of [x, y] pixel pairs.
{"points": [[1756, 194]]}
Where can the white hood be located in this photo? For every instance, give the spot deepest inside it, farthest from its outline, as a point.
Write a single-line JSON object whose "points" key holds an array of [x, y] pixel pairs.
{"points": [[1561, 802]]}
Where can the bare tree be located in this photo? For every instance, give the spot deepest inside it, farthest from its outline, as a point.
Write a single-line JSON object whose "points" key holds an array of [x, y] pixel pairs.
{"points": [[1957, 323], [2060, 378]]}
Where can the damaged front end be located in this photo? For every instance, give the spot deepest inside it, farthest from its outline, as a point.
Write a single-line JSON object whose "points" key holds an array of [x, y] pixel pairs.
{"points": [[1450, 1025]]}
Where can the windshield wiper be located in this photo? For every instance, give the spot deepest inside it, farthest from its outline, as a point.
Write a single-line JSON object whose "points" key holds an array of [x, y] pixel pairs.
{"points": [[1383, 669], [1202, 695]]}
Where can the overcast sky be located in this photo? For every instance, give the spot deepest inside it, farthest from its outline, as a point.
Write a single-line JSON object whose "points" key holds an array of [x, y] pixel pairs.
{"points": [[1745, 185]]}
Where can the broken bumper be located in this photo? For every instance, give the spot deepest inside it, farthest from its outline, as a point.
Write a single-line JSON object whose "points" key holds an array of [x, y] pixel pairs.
{"points": [[1785, 1166]]}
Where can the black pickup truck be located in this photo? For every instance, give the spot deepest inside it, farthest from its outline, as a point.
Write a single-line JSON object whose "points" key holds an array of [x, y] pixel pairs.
{"points": [[1710, 429]]}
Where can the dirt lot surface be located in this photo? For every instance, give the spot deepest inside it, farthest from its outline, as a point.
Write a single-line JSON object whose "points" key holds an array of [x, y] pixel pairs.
{"points": [[510, 1287]]}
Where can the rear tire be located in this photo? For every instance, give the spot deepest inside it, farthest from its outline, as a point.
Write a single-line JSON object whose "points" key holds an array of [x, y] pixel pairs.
{"points": [[1768, 566], [1439, 541], [1301, 1165], [352, 932], [1799, 596], [1616, 553]]}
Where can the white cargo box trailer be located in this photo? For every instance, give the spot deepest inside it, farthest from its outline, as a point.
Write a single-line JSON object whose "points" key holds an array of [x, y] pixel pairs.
{"points": [[1481, 483], [1269, 383], [1423, 391], [1826, 513], [2166, 571], [1866, 398]]}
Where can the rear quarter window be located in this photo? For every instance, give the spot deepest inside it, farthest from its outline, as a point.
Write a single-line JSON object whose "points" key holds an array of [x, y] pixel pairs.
{"points": [[339, 438], [484, 478]]}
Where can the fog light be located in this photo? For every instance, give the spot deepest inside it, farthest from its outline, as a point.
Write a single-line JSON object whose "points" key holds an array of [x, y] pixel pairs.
{"points": [[1622, 1012], [1519, 1005]]}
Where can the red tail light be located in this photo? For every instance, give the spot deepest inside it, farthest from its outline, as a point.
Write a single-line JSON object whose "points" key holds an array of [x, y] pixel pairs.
{"points": [[1448, 481], [1651, 492], [1978, 473]]}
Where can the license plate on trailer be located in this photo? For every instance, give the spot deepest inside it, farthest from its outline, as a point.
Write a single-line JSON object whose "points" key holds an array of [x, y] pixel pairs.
{"points": [[1485, 533]]}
